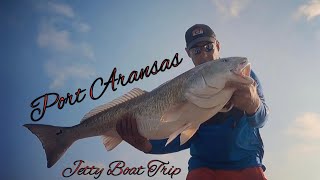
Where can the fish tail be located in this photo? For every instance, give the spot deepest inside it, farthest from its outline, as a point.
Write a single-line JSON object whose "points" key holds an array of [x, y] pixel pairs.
{"points": [[55, 140]]}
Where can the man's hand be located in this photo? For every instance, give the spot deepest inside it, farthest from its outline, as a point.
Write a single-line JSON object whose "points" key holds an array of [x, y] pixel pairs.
{"points": [[245, 97], [128, 130]]}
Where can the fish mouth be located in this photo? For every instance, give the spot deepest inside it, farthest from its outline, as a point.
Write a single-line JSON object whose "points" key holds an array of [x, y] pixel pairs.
{"points": [[243, 70]]}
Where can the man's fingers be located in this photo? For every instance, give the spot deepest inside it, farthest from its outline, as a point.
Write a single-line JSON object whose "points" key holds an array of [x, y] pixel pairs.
{"points": [[119, 127], [241, 95], [134, 126], [236, 85], [254, 83], [232, 84], [124, 126], [128, 127], [131, 125]]}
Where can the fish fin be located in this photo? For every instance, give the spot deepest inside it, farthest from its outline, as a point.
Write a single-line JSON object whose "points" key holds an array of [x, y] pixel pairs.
{"points": [[126, 97], [111, 142], [55, 140], [188, 133], [173, 113], [196, 116], [211, 101], [176, 133]]}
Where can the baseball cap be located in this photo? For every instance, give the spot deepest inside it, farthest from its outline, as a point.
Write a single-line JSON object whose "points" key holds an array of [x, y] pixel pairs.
{"points": [[198, 33]]}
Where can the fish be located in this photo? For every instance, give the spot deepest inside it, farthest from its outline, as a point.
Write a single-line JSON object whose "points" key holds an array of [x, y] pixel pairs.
{"points": [[177, 107]]}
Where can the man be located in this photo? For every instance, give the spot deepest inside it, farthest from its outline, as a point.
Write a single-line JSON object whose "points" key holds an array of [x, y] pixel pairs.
{"points": [[228, 145]]}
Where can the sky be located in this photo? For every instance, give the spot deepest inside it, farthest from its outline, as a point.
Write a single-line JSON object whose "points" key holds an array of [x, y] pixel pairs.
{"points": [[60, 46]]}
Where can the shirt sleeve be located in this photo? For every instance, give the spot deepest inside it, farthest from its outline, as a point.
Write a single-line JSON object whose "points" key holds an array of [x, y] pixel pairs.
{"points": [[259, 119], [158, 146]]}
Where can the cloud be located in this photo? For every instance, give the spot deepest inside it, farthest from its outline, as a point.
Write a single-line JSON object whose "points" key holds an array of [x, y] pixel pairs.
{"points": [[61, 9], [60, 73], [231, 7], [50, 37], [59, 40], [306, 127], [86, 50], [55, 33], [81, 26], [59, 35], [304, 148], [309, 10], [305, 130]]}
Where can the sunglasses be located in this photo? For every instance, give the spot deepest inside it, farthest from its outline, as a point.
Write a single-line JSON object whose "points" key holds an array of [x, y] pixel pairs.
{"points": [[197, 50]]}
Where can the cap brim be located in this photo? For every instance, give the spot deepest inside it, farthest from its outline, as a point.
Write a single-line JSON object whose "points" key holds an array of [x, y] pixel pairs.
{"points": [[200, 39]]}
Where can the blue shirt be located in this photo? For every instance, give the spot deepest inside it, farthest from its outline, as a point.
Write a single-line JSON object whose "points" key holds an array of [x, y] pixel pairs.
{"points": [[228, 140]]}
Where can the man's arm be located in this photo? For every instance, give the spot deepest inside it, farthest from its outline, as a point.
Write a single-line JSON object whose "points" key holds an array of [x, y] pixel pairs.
{"points": [[259, 118], [251, 100]]}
